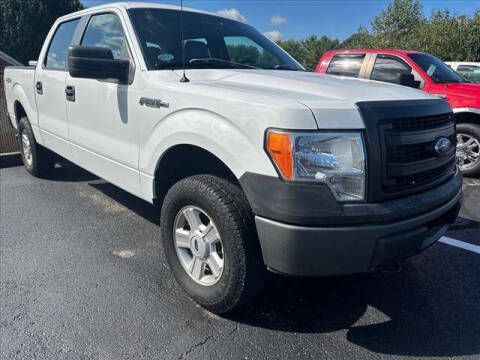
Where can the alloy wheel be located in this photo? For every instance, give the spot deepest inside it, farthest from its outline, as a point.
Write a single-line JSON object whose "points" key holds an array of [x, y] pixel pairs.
{"points": [[198, 245]]}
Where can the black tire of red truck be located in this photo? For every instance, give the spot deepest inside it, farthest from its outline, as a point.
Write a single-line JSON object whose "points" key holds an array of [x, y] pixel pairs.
{"points": [[468, 132]]}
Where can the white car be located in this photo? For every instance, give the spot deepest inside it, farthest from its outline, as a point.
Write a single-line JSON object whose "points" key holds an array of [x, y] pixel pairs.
{"points": [[469, 70], [255, 163]]}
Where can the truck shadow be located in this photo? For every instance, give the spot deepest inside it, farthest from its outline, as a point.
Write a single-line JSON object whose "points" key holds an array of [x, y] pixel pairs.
{"points": [[138, 206], [405, 317], [65, 171]]}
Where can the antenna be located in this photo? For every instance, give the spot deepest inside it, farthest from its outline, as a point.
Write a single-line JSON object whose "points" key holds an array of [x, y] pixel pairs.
{"points": [[184, 78]]}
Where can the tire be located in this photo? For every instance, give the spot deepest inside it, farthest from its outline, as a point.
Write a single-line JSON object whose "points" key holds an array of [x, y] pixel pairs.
{"points": [[466, 131], [225, 205], [37, 160]]}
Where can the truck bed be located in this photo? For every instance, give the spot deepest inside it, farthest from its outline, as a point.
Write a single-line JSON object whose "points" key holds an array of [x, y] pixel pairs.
{"points": [[20, 85]]}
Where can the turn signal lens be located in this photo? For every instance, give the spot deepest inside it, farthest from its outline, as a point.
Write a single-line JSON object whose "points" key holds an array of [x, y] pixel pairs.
{"points": [[280, 149]]}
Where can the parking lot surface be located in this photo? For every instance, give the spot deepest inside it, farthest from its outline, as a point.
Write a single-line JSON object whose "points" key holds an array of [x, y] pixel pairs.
{"points": [[83, 276]]}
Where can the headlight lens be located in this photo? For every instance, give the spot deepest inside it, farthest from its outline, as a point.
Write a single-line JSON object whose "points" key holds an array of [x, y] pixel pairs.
{"points": [[336, 159]]}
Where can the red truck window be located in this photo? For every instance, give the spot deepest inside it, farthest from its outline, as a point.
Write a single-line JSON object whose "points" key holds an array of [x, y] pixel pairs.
{"points": [[387, 68], [346, 65]]}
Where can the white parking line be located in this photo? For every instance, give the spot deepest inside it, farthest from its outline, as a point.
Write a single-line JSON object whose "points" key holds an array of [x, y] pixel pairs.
{"points": [[460, 244]]}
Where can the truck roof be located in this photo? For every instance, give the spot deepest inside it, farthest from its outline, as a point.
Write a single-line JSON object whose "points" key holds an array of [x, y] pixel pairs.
{"points": [[384, 51], [133, 5]]}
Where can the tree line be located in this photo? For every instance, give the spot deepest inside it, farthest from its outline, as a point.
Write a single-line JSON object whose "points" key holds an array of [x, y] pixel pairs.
{"points": [[451, 37], [24, 24]]}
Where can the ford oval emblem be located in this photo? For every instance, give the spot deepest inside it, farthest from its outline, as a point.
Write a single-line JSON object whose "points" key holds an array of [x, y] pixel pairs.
{"points": [[442, 146]]}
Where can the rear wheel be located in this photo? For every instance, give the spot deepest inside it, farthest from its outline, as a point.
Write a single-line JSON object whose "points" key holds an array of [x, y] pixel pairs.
{"points": [[210, 242], [468, 148], [37, 160]]}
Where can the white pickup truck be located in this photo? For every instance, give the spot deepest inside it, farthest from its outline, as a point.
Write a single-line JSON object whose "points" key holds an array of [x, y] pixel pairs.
{"points": [[255, 163]]}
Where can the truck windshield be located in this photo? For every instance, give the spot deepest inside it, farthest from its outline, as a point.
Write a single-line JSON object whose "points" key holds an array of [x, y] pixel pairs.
{"points": [[210, 42], [436, 69]]}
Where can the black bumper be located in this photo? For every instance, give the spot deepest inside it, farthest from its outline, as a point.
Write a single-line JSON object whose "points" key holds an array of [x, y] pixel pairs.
{"points": [[359, 239]]}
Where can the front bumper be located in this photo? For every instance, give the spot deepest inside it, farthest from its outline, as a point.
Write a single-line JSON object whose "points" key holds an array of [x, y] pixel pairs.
{"points": [[344, 249]]}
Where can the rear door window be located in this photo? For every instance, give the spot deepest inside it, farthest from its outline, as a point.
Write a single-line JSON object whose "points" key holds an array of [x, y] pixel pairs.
{"points": [[387, 68], [56, 58], [346, 65]]}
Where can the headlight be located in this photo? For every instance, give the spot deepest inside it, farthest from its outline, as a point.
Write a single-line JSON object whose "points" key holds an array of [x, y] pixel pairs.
{"points": [[334, 158]]}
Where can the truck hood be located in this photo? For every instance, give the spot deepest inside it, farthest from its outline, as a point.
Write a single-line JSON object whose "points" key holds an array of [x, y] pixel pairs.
{"points": [[328, 97]]}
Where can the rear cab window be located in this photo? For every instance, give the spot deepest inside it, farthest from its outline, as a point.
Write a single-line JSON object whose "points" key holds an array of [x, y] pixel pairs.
{"points": [[56, 58], [346, 65]]}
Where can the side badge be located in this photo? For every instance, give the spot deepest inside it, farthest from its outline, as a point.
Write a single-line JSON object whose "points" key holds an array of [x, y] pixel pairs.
{"points": [[153, 103]]}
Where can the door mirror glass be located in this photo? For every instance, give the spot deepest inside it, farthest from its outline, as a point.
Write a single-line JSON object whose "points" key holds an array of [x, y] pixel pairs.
{"points": [[96, 62]]}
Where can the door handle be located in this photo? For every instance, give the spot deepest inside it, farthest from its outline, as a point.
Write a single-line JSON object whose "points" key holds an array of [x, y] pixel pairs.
{"points": [[70, 92], [39, 87]]}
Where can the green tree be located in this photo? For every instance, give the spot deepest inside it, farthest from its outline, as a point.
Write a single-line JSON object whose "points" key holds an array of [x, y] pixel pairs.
{"points": [[399, 24], [361, 39], [308, 51], [24, 24], [403, 26], [294, 48]]}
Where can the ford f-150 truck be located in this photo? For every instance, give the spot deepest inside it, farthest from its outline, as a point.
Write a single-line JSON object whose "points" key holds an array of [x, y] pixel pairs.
{"points": [[429, 74], [255, 163]]}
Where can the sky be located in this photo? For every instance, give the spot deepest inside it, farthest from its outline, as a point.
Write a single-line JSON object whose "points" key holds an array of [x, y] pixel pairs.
{"points": [[296, 19]]}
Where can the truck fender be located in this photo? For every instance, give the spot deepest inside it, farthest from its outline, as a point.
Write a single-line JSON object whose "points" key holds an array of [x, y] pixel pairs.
{"points": [[211, 132]]}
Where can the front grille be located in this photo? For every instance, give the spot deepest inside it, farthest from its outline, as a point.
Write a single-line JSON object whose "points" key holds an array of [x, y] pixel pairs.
{"points": [[401, 139], [413, 152], [411, 158], [420, 178], [429, 122]]}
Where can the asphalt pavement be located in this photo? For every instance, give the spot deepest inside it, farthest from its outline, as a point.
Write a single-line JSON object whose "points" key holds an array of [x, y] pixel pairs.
{"points": [[83, 276]]}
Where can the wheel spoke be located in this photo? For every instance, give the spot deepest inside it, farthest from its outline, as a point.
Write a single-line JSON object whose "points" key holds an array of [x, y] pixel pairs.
{"points": [[193, 219], [473, 157], [197, 268], [470, 142], [182, 239], [215, 264], [211, 234]]}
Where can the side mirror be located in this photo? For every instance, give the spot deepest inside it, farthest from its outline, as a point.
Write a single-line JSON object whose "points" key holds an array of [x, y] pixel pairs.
{"points": [[96, 62], [408, 80]]}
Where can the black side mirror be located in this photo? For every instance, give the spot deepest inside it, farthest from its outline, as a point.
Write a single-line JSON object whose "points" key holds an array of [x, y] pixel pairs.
{"points": [[96, 62], [408, 80]]}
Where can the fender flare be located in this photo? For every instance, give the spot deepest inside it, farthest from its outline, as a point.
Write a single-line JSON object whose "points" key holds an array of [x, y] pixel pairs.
{"points": [[466, 110], [211, 132]]}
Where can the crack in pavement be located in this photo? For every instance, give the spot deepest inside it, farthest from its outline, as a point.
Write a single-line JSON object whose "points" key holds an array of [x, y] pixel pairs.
{"points": [[195, 346]]}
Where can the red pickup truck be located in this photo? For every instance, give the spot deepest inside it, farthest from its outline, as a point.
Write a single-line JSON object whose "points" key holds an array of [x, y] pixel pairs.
{"points": [[422, 71]]}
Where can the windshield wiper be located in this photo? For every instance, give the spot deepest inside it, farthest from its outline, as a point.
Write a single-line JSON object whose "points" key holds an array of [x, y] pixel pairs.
{"points": [[223, 62]]}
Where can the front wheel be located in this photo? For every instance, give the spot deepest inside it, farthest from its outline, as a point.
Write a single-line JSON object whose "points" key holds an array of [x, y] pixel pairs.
{"points": [[210, 242], [468, 149]]}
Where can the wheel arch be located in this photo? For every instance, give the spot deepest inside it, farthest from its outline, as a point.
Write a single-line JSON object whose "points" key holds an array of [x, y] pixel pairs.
{"points": [[463, 117], [184, 160], [19, 111], [23, 106]]}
